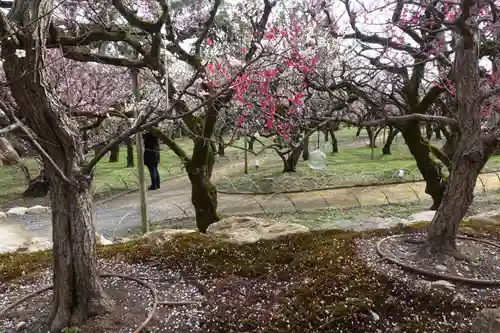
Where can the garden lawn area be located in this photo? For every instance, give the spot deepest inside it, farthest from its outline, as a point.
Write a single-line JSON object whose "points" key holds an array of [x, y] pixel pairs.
{"points": [[313, 282], [352, 165], [109, 178]]}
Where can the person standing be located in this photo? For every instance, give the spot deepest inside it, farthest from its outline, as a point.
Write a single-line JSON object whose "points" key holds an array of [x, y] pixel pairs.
{"points": [[152, 158]]}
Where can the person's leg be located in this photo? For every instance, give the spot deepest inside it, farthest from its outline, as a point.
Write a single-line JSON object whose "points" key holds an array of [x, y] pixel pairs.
{"points": [[157, 177], [151, 170]]}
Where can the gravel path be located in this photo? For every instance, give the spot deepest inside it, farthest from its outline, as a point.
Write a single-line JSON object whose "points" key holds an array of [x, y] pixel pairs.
{"points": [[121, 215]]}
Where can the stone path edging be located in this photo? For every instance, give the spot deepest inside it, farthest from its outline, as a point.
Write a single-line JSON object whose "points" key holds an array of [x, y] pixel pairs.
{"points": [[332, 187]]}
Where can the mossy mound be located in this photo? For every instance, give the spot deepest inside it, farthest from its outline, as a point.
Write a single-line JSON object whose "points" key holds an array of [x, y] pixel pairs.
{"points": [[15, 265], [327, 287]]}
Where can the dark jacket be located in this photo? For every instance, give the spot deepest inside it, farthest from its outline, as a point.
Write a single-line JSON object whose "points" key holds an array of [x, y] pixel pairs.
{"points": [[151, 149]]}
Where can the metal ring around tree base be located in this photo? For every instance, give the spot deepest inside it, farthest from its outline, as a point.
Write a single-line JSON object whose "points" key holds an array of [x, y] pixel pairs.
{"points": [[125, 277], [421, 271]]}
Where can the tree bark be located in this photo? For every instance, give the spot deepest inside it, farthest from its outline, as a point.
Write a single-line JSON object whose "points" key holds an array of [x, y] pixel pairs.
{"points": [[114, 154], [435, 182], [386, 150], [428, 131], [130, 153], [251, 143], [98, 148], [456, 201], [437, 131], [305, 149], [221, 146], [204, 200], [372, 136], [78, 294], [38, 187], [290, 162], [21, 146], [203, 192], [335, 144], [471, 153]]}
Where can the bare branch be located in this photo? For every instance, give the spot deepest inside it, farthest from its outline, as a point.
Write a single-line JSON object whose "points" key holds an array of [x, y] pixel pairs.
{"points": [[135, 21], [392, 120], [40, 149], [9, 128], [102, 59], [206, 26]]}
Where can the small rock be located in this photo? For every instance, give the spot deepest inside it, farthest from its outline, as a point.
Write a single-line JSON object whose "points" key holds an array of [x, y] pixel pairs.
{"points": [[3, 216], [21, 325], [101, 240], [35, 244], [444, 284], [426, 215], [375, 315], [492, 217], [441, 268], [38, 209], [487, 321], [247, 229], [17, 211]]}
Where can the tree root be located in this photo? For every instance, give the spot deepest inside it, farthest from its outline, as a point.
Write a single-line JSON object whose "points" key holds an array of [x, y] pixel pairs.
{"points": [[442, 256], [405, 266], [125, 277]]}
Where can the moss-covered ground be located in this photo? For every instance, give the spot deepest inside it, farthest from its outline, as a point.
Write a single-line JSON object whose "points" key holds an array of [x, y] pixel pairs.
{"points": [[332, 290]]}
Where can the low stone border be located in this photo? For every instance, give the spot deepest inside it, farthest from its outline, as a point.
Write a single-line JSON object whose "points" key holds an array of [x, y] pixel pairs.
{"points": [[20, 211], [497, 173]]}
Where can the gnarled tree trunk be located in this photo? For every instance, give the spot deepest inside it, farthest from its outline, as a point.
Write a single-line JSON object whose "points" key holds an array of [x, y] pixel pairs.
{"points": [[435, 182], [386, 150], [203, 192], [204, 199], [221, 146], [75, 298], [456, 201], [114, 154], [251, 143], [77, 292], [199, 169], [290, 162], [130, 153], [471, 153], [335, 143], [305, 149], [372, 137]]}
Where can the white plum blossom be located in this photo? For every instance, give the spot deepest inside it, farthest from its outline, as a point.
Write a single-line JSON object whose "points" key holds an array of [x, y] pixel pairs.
{"points": [[20, 53]]}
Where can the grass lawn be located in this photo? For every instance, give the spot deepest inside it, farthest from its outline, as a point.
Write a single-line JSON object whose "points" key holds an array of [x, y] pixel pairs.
{"points": [[352, 165], [109, 178]]}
